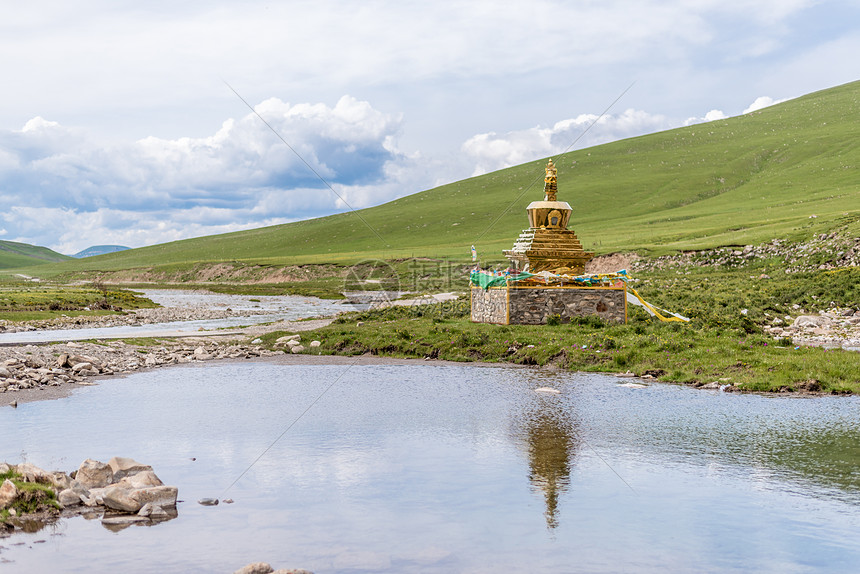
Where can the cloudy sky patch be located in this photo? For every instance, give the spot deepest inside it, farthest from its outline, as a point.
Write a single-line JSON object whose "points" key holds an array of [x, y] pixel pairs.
{"points": [[491, 151], [117, 125]]}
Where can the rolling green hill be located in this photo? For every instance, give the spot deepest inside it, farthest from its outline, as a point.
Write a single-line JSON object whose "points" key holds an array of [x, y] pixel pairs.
{"points": [[14, 254], [785, 171]]}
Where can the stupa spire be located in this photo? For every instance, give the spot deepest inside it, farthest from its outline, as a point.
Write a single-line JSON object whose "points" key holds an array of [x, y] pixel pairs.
{"points": [[548, 245], [550, 182]]}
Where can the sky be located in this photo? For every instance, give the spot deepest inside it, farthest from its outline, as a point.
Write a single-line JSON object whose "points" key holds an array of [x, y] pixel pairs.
{"points": [[136, 123]]}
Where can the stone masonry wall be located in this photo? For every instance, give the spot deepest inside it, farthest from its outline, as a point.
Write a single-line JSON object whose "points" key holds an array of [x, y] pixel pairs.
{"points": [[490, 306], [532, 306]]}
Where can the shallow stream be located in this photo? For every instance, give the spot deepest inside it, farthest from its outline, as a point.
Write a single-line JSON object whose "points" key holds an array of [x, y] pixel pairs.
{"points": [[270, 308], [448, 468]]}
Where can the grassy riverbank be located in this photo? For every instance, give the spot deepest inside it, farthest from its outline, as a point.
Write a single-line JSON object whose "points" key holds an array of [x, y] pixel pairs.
{"points": [[21, 303], [732, 295], [670, 352], [724, 343], [32, 497]]}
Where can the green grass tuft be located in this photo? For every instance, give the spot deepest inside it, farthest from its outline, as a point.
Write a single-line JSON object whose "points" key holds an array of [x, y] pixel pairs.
{"points": [[32, 497]]}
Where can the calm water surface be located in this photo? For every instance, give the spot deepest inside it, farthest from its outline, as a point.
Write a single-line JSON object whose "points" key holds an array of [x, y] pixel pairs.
{"points": [[437, 468]]}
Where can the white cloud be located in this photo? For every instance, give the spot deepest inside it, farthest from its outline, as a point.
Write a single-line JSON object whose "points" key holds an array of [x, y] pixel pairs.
{"points": [[714, 115], [151, 69], [711, 116], [491, 151], [68, 189], [762, 102], [77, 190]]}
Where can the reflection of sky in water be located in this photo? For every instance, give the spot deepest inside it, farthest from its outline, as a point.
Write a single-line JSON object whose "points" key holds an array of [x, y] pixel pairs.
{"points": [[278, 307], [431, 468]]}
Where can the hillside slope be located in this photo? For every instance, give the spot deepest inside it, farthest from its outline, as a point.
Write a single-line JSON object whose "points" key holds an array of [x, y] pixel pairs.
{"points": [[14, 254], [785, 171]]}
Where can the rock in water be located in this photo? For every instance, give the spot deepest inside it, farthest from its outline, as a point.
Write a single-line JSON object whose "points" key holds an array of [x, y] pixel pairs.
{"points": [[94, 474], [119, 498], [122, 467], [255, 568], [33, 473], [163, 496], [8, 493], [208, 501], [153, 511], [143, 479], [69, 497]]}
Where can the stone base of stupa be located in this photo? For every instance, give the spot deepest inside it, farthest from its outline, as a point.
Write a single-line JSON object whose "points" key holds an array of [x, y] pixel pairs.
{"points": [[534, 305]]}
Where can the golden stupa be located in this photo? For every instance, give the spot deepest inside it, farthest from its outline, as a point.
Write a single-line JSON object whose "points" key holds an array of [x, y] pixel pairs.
{"points": [[548, 245]]}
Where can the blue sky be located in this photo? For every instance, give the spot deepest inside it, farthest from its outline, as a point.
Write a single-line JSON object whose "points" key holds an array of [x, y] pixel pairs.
{"points": [[118, 127]]}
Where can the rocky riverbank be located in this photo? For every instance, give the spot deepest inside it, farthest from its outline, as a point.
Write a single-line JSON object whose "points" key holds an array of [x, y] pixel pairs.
{"points": [[45, 366], [834, 328], [827, 324], [35, 372], [821, 252]]}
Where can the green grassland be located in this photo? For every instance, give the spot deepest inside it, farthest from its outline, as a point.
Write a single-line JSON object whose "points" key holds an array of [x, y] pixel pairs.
{"points": [[30, 303], [786, 171], [724, 343], [14, 254]]}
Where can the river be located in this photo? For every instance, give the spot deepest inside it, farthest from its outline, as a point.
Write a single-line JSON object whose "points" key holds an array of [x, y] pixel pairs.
{"points": [[450, 468], [266, 309]]}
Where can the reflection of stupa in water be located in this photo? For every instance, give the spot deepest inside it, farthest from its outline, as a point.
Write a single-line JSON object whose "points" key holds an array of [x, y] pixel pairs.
{"points": [[551, 443]]}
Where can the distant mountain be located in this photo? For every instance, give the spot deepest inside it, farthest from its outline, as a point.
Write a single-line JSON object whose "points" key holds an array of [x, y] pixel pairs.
{"points": [[99, 250], [14, 254]]}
